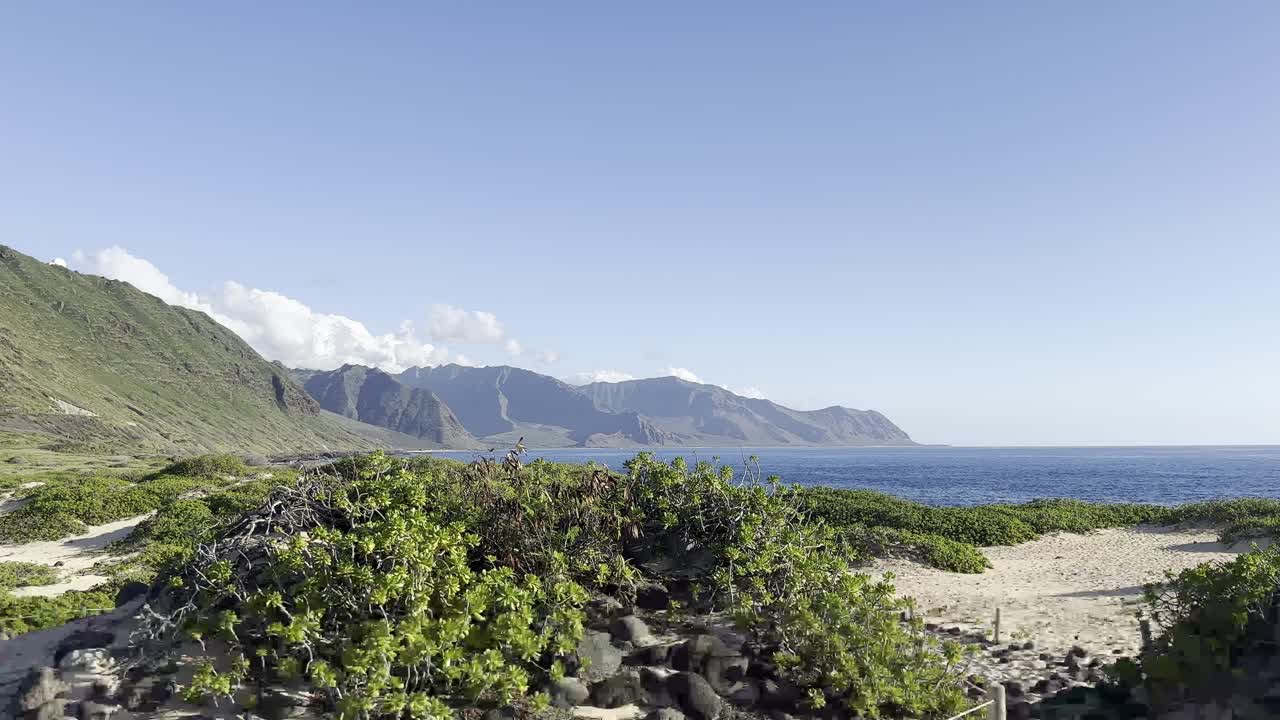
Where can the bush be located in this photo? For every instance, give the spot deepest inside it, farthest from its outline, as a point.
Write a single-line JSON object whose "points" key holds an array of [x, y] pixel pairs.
{"points": [[28, 614], [58, 510], [1212, 616], [25, 574], [210, 467], [356, 581]]}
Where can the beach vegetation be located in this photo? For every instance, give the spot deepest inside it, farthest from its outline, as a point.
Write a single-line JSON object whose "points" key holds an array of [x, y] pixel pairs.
{"points": [[396, 591], [16, 574]]}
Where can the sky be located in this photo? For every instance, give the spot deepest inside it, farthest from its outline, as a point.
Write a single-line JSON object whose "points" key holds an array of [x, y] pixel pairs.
{"points": [[999, 223]]}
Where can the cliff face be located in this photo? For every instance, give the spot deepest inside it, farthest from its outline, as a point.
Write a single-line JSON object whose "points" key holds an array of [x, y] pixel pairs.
{"points": [[494, 402], [372, 396]]}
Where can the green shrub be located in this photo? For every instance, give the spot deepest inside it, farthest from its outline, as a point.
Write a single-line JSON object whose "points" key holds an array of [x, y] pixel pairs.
{"points": [[57, 510], [28, 614], [1212, 616], [355, 581], [25, 574], [214, 467]]}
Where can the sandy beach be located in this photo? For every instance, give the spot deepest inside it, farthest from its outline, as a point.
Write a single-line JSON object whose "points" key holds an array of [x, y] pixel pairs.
{"points": [[77, 554], [1062, 589]]}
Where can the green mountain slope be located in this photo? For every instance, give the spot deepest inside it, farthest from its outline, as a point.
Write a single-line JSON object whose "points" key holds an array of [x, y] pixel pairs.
{"points": [[372, 396], [95, 361], [708, 414]]}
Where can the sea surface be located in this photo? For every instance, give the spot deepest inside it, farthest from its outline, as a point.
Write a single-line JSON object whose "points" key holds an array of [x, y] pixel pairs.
{"points": [[971, 476]]}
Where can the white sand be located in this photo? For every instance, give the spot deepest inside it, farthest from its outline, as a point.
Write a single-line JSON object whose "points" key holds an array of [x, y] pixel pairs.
{"points": [[77, 554], [1062, 589]]}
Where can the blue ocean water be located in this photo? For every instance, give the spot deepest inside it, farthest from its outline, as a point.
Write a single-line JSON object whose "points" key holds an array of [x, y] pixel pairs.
{"points": [[970, 476]]}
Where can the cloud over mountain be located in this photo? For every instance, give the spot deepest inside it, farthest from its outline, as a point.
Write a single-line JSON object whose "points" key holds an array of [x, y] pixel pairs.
{"points": [[286, 329]]}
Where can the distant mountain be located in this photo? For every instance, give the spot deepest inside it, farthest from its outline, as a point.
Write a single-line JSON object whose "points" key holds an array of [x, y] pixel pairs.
{"points": [[708, 414], [500, 404], [372, 396], [93, 361]]}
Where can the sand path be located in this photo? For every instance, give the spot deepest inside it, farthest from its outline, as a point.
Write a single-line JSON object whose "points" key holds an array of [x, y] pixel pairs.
{"points": [[1062, 589], [77, 554]]}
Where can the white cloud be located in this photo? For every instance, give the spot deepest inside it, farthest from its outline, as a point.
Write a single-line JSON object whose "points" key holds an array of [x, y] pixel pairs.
{"points": [[548, 356], [750, 391], [454, 323], [59, 262], [116, 263], [684, 374], [513, 347], [279, 327], [603, 376], [463, 360]]}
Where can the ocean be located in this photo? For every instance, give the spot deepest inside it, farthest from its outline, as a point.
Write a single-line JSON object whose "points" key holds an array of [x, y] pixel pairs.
{"points": [[972, 476]]}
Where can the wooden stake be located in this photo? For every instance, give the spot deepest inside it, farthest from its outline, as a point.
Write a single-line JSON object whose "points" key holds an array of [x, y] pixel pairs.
{"points": [[997, 709], [997, 626]]}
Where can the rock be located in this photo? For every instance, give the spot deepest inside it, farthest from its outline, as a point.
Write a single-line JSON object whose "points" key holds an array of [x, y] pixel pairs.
{"points": [[1078, 651], [1029, 645], [654, 654], [692, 654], [1046, 657], [40, 687], [16, 460], [665, 713], [655, 687], [147, 694], [1046, 687], [725, 673], [567, 692], [1020, 710], [955, 631], [745, 694], [130, 592], [280, 704], [633, 629], [1014, 647], [652, 596], [780, 694], [505, 713], [624, 688], [695, 695], [52, 710], [931, 627], [94, 660], [82, 640], [1013, 688], [91, 710], [597, 653]]}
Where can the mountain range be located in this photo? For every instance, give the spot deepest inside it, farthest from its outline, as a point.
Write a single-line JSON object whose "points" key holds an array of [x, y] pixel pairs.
{"points": [[91, 361], [498, 405]]}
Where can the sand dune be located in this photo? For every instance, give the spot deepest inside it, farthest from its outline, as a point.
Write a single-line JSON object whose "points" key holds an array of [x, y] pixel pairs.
{"points": [[1062, 589]]}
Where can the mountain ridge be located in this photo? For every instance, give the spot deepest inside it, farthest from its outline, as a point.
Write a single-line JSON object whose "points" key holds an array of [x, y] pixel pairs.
{"points": [[375, 397], [710, 413], [498, 402]]}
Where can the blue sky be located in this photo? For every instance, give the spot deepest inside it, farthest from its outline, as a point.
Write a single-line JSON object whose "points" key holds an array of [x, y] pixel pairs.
{"points": [[998, 223]]}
